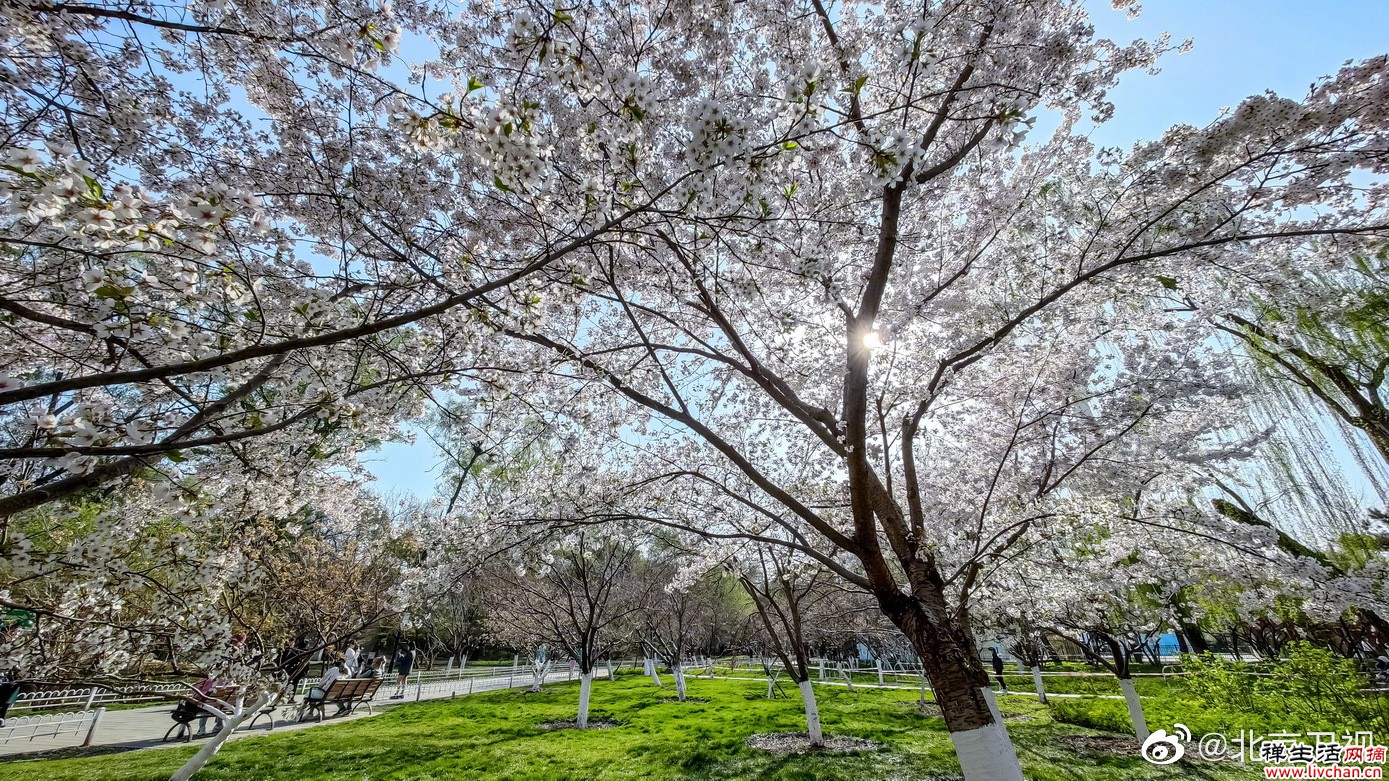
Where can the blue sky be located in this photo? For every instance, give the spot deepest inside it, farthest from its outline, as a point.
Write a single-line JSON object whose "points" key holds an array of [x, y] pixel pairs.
{"points": [[1241, 48]]}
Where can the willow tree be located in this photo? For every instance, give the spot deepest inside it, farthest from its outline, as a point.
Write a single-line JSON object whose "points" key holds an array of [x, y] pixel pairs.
{"points": [[1329, 344]]}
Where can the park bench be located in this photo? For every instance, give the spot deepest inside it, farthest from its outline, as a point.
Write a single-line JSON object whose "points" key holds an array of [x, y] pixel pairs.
{"points": [[346, 693], [192, 708]]}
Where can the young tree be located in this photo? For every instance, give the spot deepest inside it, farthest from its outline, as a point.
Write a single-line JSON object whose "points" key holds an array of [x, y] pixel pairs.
{"points": [[687, 607], [455, 610], [788, 593], [573, 592], [1023, 639]]}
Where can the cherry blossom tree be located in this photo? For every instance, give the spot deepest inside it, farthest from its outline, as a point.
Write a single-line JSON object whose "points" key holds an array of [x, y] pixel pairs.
{"points": [[946, 328], [454, 611], [801, 261], [685, 610], [575, 593]]}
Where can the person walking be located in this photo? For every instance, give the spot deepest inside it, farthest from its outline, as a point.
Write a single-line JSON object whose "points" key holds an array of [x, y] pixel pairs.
{"points": [[997, 662], [295, 664], [404, 663]]}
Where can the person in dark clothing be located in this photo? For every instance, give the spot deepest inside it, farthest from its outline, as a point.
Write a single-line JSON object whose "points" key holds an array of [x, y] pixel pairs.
{"points": [[404, 663], [295, 663], [10, 689], [997, 662]]}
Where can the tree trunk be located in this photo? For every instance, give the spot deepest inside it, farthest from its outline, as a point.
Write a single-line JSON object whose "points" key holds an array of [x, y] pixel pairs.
{"points": [[585, 687], [214, 744], [986, 753], [679, 673], [1197, 640], [812, 714], [1037, 682], [539, 672], [958, 678], [1140, 724]]}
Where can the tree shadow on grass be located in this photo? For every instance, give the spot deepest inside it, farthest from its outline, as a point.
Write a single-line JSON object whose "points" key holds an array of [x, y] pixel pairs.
{"points": [[69, 752], [1042, 748]]}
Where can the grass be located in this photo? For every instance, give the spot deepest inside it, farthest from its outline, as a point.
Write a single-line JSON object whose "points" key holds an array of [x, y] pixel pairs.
{"points": [[496, 737]]}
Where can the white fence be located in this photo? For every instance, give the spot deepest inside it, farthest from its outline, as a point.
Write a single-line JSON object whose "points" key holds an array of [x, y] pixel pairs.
{"points": [[87, 698], [462, 680], [52, 725]]}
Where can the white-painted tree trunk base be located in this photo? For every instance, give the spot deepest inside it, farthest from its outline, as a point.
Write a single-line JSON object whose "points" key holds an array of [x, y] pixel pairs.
{"points": [[993, 705], [986, 753], [1140, 723], [539, 672], [679, 683], [585, 688], [812, 714], [1037, 682]]}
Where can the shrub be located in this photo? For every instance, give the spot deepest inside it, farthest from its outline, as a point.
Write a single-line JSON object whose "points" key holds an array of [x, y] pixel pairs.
{"points": [[1323, 690], [1311, 690], [1217, 681]]}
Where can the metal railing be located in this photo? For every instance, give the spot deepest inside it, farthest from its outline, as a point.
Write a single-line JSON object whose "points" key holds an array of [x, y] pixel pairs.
{"points": [[52, 725], [85, 699]]}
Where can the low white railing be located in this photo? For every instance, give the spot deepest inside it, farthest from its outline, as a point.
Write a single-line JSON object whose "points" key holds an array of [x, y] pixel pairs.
{"points": [[85, 699], [463, 680], [52, 725]]}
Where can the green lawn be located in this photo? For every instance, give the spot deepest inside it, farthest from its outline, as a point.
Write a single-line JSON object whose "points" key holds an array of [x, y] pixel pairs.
{"points": [[496, 737]]}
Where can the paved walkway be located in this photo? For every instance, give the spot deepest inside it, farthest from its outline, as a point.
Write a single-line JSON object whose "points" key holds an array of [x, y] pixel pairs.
{"points": [[137, 728]]}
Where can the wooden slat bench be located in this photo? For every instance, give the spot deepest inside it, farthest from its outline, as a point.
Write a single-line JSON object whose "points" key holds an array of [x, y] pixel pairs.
{"points": [[346, 693]]}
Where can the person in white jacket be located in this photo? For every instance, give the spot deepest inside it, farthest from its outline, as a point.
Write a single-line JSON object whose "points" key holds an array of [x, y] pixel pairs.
{"points": [[352, 657]]}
